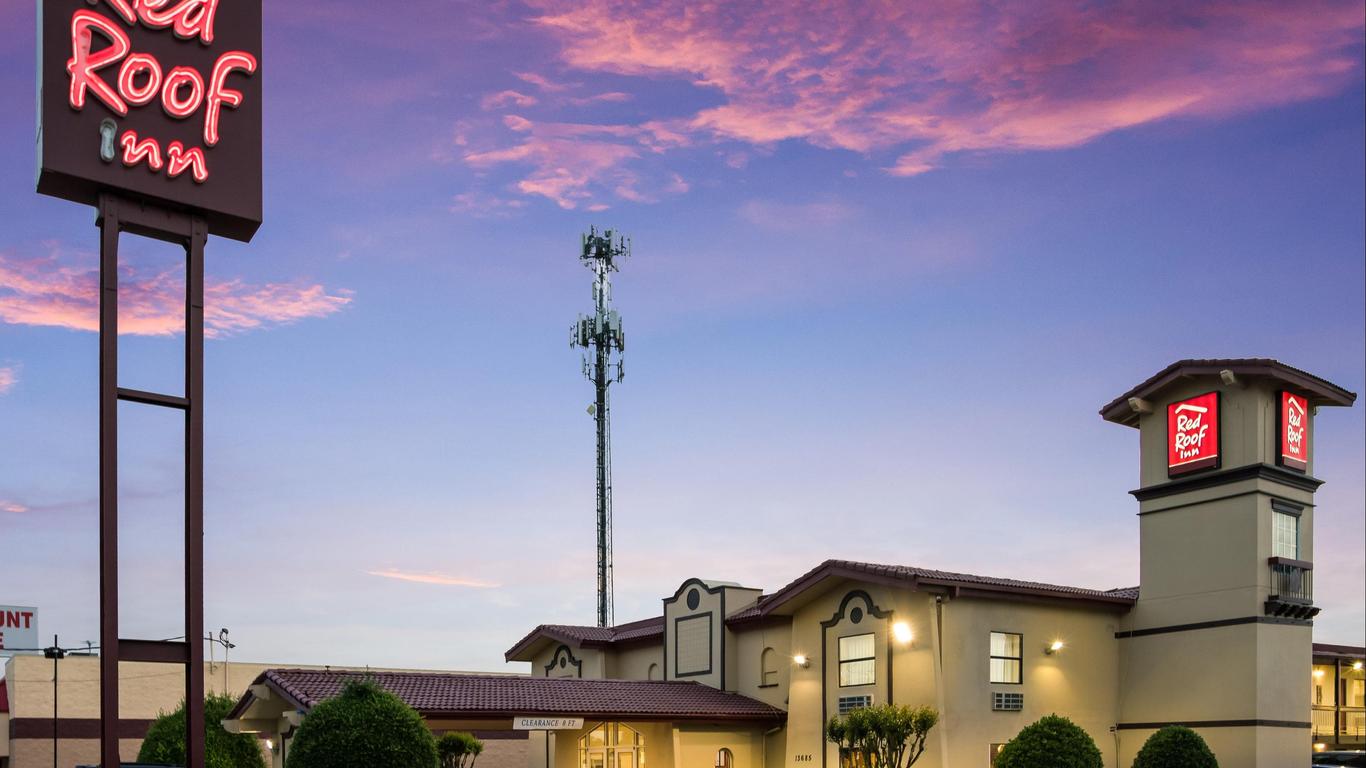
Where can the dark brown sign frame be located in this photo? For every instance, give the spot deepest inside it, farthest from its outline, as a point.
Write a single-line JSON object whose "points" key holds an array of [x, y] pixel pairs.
{"points": [[150, 110]]}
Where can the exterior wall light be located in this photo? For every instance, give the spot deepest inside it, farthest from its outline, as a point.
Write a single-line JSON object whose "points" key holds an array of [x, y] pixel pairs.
{"points": [[1356, 665], [901, 632], [1318, 673], [1054, 647], [801, 660]]}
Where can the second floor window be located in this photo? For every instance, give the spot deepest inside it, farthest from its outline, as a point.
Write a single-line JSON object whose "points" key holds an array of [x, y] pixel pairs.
{"points": [[1285, 535], [1006, 657], [857, 660], [768, 667]]}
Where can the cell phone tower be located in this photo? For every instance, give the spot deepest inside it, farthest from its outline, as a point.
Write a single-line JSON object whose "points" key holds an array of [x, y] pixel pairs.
{"points": [[601, 336]]}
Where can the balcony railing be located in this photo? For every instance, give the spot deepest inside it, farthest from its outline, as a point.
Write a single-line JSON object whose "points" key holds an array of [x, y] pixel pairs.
{"points": [[1353, 726], [1292, 589], [1325, 722]]}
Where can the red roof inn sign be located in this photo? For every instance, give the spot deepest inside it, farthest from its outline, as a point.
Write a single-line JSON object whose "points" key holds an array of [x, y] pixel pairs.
{"points": [[154, 99], [1193, 434]]}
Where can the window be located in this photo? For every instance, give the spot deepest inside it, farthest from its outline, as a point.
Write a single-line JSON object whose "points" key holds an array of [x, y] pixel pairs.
{"points": [[848, 704], [1285, 535], [768, 668], [612, 745], [725, 758], [652, 673], [996, 752], [1006, 657], [856, 660]]}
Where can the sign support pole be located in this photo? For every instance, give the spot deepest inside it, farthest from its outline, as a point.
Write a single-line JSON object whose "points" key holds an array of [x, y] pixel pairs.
{"points": [[117, 215]]}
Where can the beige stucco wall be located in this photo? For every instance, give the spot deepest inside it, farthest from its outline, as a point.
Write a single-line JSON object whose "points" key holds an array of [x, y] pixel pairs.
{"points": [[592, 662], [745, 666], [635, 662]]}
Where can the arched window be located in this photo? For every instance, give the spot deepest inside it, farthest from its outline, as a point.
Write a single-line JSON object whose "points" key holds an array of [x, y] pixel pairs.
{"points": [[612, 745], [653, 673], [768, 668], [724, 758]]}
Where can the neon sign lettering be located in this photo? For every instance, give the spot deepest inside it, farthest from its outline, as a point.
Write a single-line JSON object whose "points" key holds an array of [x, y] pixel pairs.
{"points": [[141, 79]]}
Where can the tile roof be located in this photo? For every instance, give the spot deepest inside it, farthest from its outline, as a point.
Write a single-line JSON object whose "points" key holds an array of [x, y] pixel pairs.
{"points": [[913, 576], [592, 637], [447, 694], [1321, 391]]}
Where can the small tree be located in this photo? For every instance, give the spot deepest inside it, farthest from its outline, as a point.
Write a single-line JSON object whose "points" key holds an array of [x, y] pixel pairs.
{"points": [[1175, 746], [458, 750], [364, 726], [885, 736], [165, 741], [1052, 742]]}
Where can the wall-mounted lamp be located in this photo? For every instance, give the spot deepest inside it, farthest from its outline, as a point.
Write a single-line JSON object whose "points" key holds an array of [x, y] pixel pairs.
{"points": [[901, 632], [1356, 665], [801, 660], [270, 745], [1054, 647], [1318, 673]]}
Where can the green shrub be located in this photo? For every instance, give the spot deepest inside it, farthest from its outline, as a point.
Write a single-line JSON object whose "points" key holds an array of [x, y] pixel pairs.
{"points": [[1175, 746], [458, 750], [1052, 742], [363, 727], [887, 736], [165, 741]]}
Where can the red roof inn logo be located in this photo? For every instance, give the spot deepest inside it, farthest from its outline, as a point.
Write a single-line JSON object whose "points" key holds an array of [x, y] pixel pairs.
{"points": [[1193, 434], [156, 99], [1294, 431]]}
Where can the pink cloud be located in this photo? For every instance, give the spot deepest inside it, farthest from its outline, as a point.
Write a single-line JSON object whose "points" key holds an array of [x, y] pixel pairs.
{"points": [[506, 99], [432, 577], [924, 81], [9, 376], [52, 291], [13, 507], [573, 162]]}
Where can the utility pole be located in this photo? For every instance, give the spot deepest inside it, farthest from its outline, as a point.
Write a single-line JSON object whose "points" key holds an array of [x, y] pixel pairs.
{"points": [[601, 336]]}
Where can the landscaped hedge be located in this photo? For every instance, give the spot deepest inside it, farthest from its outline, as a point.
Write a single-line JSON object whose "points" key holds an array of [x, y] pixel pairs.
{"points": [[1052, 742], [1175, 746], [165, 741], [364, 727]]}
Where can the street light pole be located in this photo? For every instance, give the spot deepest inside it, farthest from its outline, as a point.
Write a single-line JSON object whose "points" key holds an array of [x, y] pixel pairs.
{"points": [[55, 653]]}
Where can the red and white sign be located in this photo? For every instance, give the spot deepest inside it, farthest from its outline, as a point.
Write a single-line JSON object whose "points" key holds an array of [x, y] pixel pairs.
{"points": [[1193, 434], [1294, 431], [18, 627]]}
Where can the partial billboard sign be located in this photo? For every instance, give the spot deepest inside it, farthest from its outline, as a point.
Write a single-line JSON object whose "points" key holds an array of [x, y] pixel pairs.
{"points": [[1193, 434], [1293, 434], [18, 628], [153, 99]]}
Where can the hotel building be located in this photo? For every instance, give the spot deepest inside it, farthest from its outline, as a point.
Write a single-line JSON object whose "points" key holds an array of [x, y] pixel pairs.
{"points": [[732, 676]]}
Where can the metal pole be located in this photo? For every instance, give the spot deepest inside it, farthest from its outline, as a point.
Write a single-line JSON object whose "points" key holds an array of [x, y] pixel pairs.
{"points": [[109, 484], [194, 493]]}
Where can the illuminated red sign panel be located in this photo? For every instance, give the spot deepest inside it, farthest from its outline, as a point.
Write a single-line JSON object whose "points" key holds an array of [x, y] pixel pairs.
{"points": [[1193, 434], [158, 99], [1293, 449]]}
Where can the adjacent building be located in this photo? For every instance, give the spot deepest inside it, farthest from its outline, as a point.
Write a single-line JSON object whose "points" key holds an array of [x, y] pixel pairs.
{"points": [[733, 676]]}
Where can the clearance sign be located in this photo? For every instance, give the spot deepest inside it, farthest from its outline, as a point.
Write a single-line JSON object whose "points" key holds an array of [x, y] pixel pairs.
{"points": [[1293, 434], [157, 99], [1193, 434]]}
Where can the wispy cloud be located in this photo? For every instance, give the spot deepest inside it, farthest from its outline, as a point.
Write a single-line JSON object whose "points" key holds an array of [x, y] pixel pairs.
{"points": [[60, 289], [9, 376], [508, 98], [911, 85], [789, 216], [433, 577], [12, 507], [574, 163]]}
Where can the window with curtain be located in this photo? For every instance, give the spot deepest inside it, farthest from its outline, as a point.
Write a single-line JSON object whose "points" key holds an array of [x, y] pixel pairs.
{"points": [[768, 667], [1286, 535], [857, 660], [1006, 657]]}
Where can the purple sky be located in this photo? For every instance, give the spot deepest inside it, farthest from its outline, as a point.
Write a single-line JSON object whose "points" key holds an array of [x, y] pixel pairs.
{"points": [[888, 265]]}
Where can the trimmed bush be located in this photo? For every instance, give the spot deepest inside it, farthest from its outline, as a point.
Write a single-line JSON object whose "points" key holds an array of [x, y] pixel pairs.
{"points": [[886, 736], [1175, 746], [363, 727], [458, 750], [1052, 742], [165, 742]]}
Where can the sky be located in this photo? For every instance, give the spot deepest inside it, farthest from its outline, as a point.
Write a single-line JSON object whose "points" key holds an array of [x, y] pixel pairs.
{"points": [[889, 260]]}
